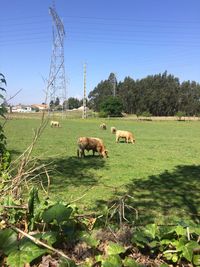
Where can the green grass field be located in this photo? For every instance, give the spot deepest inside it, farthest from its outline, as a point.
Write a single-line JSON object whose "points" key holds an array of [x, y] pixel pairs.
{"points": [[161, 172]]}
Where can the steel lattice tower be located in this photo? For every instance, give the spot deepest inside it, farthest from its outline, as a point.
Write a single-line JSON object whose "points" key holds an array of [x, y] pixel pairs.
{"points": [[57, 80]]}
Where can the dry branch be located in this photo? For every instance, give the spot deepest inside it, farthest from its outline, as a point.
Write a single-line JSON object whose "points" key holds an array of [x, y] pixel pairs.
{"points": [[38, 242]]}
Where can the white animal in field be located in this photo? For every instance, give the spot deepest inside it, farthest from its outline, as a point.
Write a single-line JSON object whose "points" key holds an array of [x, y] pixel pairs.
{"points": [[91, 143], [103, 126], [125, 134], [55, 124], [113, 130]]}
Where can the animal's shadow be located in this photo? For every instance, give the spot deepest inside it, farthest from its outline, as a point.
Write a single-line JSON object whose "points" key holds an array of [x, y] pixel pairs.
{"points": [[74, 171]]}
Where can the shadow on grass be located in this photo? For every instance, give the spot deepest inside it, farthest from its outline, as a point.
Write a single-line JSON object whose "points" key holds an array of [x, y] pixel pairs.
{"points": [[73, 171], [168, 195], [14, 153]]}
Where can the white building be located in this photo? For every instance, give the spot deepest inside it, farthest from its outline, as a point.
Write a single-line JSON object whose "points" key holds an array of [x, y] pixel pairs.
{"points": [[22, 108]]}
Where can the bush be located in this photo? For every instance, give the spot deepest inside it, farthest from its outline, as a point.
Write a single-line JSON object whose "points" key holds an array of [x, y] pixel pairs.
{"points": [[103, 114], [112, 107], [180, 114], [146, 114]]}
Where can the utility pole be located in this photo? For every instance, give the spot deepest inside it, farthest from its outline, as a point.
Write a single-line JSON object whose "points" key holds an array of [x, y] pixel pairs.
{"points": [[113, 80], [114, 87], [84, 116]]}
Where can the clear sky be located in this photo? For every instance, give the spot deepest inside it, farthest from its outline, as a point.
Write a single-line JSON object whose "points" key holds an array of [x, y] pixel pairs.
{"points": [[132, 38]]}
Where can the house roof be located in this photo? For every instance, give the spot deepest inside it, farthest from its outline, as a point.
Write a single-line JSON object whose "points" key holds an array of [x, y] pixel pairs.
{"points": [[40, 105]]}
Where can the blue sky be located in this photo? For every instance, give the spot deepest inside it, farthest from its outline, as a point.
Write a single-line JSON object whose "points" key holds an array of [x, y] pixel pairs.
{"points": [[132, 38]]}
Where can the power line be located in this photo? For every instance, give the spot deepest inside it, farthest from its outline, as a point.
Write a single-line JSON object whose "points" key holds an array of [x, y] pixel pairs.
{"points": [[116, 19]]}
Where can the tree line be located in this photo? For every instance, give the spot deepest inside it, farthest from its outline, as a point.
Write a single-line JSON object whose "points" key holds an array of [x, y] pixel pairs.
{"points": [[159, 95], [70, 103]]}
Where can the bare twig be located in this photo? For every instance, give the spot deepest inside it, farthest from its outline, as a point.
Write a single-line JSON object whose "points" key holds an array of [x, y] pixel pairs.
{"points": [[11, 97], [14, 207], [38, 242], [24, 161]]}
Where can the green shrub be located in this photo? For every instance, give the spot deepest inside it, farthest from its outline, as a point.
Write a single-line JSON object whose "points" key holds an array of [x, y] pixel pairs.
{"points": [[4, 154], [112, 106], [103, 114], [180, 114]]}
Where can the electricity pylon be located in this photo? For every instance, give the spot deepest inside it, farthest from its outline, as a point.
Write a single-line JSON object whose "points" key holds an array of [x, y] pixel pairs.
{"points": [[57, 88]]}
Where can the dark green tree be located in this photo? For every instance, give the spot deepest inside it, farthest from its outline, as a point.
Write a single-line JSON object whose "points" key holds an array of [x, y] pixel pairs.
{"points": [[100, 93], [51, 105], [74, 103], [112, 106], [189, 98], [128, 93], [57, 101], [158, 95]]}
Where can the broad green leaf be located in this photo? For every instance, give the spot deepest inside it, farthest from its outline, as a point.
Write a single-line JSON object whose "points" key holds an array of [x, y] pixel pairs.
{"points": [[129, 262], [166, 242], [168, 256], [99, 258], [180, 243], [8, 240], [165, 232], [195, 230], [175, 258], [112, 261], [187, 253], [69, 229], [196, 260], [90, 240], [26, 253], [58, 212], [180, 230], [114, 248], [164, 265], [188, 250], [139, 239], [153, 244], [150, 230], [49, 237]]}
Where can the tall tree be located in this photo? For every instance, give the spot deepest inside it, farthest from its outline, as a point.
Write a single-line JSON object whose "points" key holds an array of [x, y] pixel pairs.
{"points": [[159, 94], [57, 101], [128, 92], [51, 105], [100, 93], [189, 98], [73, 102]]}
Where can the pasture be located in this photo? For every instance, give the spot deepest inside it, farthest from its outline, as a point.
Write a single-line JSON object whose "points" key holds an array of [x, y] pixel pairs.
{"points": [[160, 173]]}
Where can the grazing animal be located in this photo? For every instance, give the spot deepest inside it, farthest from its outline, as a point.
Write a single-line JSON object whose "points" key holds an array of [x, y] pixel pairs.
{"points": [[55, 124], [103, 126], [91, 143], [125, 134], [113, 130]]}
